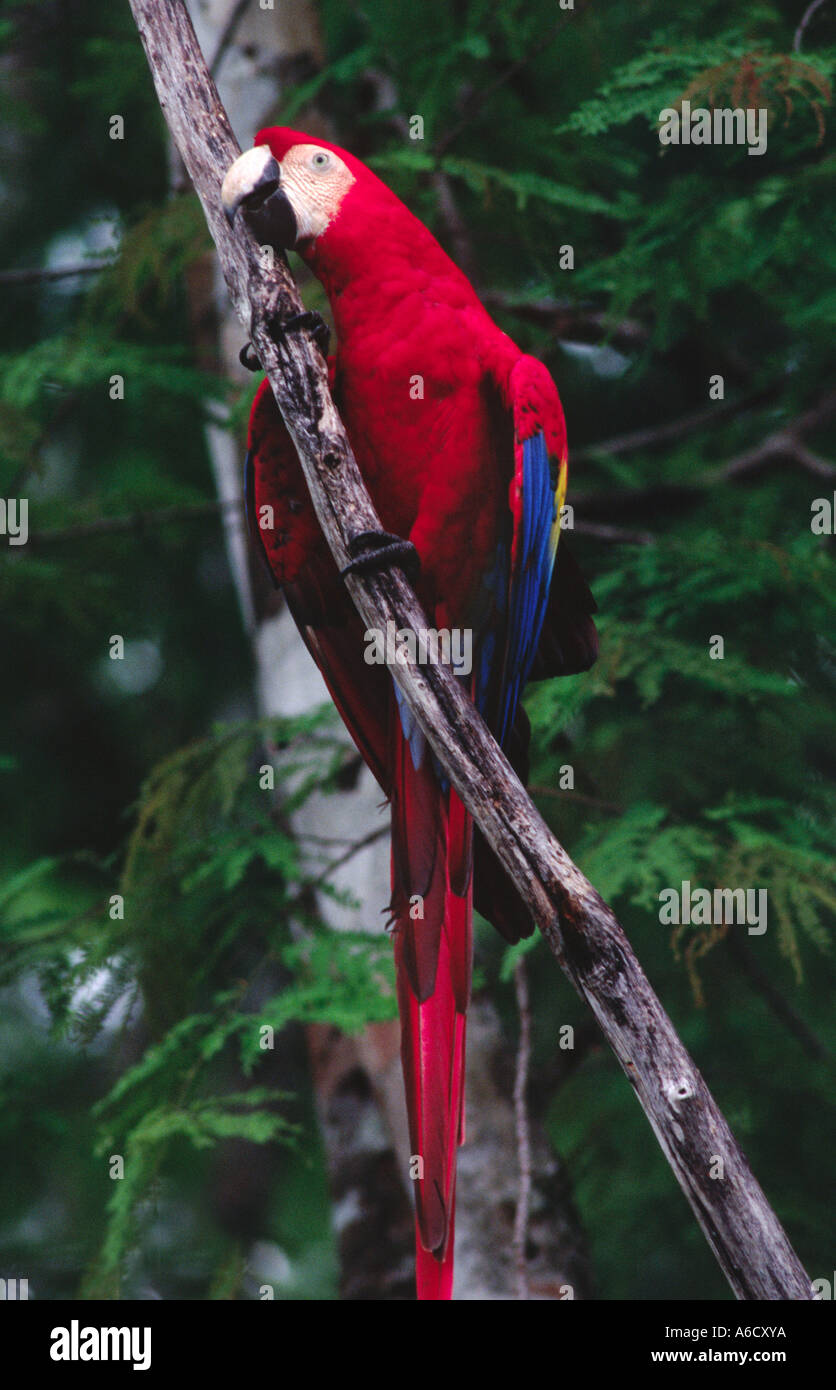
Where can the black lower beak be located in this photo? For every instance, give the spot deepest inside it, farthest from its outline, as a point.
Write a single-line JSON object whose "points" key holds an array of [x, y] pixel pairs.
{"points": [[270, 217], [252, 186]]}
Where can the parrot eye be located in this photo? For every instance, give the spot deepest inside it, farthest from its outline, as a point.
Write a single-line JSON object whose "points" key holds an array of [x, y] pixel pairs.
{"points": [[320, 160]]}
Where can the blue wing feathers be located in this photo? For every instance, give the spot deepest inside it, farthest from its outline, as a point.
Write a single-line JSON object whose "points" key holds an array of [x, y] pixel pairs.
{"points": [[531, 576]]}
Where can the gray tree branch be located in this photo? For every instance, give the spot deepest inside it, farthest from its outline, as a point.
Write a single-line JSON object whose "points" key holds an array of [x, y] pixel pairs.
{"points": [[580, 929]]}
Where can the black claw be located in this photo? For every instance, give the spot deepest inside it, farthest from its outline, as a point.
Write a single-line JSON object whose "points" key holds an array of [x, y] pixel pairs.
{"points": [[247, 358], [377, 550], [309, 318]]}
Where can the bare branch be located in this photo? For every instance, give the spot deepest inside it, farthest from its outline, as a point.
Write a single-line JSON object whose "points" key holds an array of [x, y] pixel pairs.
{"points": [[805, 20], [386, 102], [580, 929], [787, 442], [568, 320], [43, 274], [781, 444], [775, 999], [618, 535], [230, 29], [354, 848], [141, 522], [654, 435], [610, 806]]}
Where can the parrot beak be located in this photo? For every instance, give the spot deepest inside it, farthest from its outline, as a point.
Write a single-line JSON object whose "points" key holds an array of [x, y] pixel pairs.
{"points": [[253, 184]]}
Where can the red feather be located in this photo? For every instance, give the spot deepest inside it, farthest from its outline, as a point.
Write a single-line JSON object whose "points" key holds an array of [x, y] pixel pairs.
{"points": [[441, 467]]}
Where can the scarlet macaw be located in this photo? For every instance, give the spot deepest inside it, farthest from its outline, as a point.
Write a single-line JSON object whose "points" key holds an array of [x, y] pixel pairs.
{"points": [[461, 440]]}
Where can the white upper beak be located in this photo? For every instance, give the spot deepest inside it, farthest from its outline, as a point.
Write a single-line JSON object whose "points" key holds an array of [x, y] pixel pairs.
{"points": [[252, 170]]}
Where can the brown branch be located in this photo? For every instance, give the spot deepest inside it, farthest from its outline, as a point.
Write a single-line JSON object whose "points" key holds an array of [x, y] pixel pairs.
{"points": [[386, 103], [611, 806], [580, 929], [805, 20], [618, 535], [775, 999], [781, 444], [141, 522], [787, 443], [653, 435], [43, 274], [230, 29], [567, 320], [354, 848]]}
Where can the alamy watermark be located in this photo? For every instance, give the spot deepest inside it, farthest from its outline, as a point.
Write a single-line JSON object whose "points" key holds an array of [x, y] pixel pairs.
{"points": [[14, 1290], [722, 125], [699, 906], [14, 519], [428, 646], [78, 1342]]}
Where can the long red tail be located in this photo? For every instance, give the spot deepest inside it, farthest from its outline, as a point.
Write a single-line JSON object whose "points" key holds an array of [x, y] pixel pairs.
{"points": [[432, 900]]}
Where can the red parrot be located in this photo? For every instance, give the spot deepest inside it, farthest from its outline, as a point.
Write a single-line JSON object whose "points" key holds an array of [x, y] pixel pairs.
{"points": [[461, 440]]}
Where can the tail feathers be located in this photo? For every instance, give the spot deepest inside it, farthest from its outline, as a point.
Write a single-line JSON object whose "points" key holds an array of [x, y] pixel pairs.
{"points": [[433, 1054], [418, 864], [568, 639], [459, 846], [432, 838], [458, 940], [433, 1278], [496, 897]]}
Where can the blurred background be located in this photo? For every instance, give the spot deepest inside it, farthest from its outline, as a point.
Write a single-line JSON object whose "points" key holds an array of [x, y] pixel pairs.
{"points": [[198, 1071]]}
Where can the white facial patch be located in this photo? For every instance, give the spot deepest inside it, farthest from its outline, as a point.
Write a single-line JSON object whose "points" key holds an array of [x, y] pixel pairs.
{"points": [[315, 181]]}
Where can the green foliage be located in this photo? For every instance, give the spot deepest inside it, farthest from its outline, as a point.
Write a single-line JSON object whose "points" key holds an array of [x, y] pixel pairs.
{"points": [[730, 68], [484, 180], [147, 276], [202, 1124], [58, 365], [683, 252], [205, 865]]}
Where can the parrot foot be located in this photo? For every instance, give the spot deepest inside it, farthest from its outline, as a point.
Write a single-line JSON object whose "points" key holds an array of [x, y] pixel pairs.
{"points": [[309, 318], [377, 550], [247, 357]]}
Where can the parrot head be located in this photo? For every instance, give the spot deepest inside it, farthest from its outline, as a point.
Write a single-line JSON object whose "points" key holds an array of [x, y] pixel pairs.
{"points": [[291, 187], [296, 192]]}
